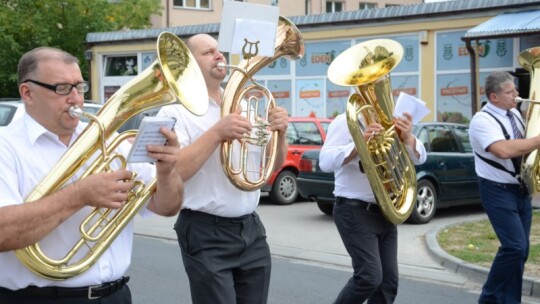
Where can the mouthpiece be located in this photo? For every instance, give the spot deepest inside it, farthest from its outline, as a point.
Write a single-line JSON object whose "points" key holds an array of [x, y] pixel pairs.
{"points": [[222, 66], [75, 112], [519, 99]]}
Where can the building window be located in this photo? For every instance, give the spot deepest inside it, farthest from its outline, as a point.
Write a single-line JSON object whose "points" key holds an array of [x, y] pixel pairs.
{"points": [[334, 6], [121, 65], [197, 4], [390, 5], [366, 5]]}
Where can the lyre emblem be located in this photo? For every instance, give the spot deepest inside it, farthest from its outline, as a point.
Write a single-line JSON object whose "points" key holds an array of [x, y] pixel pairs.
{"points": [[252, 49]]}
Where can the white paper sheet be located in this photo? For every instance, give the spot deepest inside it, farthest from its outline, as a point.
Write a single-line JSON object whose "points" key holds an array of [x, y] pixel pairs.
{"points": [[261, 32], [410, 104]]}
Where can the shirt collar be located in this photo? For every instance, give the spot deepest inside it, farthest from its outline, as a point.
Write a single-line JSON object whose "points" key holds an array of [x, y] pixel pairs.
{"points": [[495, 109], [36, 130]]}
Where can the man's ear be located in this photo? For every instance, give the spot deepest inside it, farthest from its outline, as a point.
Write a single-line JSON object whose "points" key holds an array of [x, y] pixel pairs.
{"points": [[493, 97], [25, 92]]}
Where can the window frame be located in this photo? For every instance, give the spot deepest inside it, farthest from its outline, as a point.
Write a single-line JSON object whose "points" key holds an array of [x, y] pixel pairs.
{"points": [[333, 5], [367, 5], [197, 5]]}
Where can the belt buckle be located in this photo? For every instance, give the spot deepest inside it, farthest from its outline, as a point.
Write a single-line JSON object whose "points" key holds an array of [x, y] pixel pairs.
{"points": [[90, 289]]}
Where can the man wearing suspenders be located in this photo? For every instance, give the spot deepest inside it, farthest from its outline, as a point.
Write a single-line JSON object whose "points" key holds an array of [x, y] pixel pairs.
{"points": [[497, 137]]}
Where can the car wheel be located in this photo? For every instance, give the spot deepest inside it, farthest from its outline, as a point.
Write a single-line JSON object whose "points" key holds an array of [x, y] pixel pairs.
{"points": [[284, 191], [326, 208], [426, 203]]}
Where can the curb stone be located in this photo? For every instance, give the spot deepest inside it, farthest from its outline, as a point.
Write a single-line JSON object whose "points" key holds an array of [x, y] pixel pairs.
{"points": [[531, 286]]}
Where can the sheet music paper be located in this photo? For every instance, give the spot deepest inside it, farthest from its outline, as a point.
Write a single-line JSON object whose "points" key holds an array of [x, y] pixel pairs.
{"points": [[407, 103], [149, 134], [242, 20]]}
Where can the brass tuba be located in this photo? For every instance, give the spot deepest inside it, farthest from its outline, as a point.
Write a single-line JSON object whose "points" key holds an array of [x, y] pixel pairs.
{"points": [[173, 77], [384, 159], [530, 166], [289, 43]]}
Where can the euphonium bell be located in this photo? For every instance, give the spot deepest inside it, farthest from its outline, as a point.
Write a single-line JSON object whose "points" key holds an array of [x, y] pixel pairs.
{"points": [[384, 159], [289, 43], [173, 77], [530, 166]]}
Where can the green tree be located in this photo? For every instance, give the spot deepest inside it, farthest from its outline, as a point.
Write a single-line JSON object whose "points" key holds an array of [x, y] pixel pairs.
{"points": [[26, 24]]}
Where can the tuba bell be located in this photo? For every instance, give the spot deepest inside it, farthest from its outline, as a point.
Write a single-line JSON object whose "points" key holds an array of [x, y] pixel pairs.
{"points": [[289, 43], [173, 77], [384, 159], [529, 59]]}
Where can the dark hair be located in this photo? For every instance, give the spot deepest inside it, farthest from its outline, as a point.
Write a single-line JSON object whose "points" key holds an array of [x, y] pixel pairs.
{"points": [[494, 82], [28, 63]]}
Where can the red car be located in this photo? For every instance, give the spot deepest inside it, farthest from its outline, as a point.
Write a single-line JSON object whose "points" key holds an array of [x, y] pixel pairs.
{"points": [[303, 133]]}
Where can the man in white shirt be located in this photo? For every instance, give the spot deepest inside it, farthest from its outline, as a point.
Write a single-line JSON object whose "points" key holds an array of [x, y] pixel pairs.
{"points": [[50, 83], [370, 239], [221, 237], [496, 135]]}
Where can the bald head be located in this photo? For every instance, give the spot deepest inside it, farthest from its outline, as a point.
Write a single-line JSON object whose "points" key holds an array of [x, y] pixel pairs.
{"points": [[196, 41], [205, 50]]}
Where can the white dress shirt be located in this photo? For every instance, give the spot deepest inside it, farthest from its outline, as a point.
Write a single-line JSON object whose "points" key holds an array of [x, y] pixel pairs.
{"points": [[209, 190], [27, 153], [483, 132], [350, 182]]}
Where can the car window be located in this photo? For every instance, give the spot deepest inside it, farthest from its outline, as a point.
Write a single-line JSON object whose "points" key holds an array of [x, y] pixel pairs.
{"points": [[423, 136], [462, 132], [6, 114], [442, 139], [325, 125], [303, 133], [91, 109]]}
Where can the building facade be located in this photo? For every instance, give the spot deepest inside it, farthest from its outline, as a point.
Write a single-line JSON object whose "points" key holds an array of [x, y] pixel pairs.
{"points": [[189, 12], [436, 64]]}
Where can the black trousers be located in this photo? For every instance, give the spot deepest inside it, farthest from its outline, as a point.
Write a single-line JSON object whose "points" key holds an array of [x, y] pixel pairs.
{"points": [[371, 241], [121, 296], [227, 260]]}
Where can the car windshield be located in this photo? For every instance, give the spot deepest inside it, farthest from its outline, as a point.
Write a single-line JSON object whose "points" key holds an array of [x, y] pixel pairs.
{"points": [[303, 133], [6, 114]]}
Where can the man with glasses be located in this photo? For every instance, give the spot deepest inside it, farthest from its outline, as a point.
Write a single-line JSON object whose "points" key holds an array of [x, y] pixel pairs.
{"points": [[50, 83]]}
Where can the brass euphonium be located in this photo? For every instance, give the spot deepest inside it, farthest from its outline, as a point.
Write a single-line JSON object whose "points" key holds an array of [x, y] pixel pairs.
{"points": [[289, 43], [173, 77], [384, 159], [530, 166]]}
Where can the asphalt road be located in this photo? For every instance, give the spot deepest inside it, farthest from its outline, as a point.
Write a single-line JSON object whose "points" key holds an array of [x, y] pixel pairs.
{"points": [[302, 234], [158, 277]]}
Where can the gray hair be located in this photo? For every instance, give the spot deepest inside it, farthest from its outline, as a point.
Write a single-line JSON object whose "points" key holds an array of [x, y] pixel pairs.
{"points": [[28, 63], [494, 82]]}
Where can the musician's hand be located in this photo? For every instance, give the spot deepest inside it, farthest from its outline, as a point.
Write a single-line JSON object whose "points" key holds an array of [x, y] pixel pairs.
{"points": [[404, 128], [105, 190], [232, 126], [372, 130], [167, 155], [279, 120]]}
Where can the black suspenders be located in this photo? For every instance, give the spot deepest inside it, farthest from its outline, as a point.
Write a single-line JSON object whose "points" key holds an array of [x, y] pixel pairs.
{"points": [[516, 161]]}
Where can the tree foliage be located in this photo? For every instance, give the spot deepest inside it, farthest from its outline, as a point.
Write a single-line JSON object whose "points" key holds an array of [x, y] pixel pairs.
{"points": [[27, 24]]}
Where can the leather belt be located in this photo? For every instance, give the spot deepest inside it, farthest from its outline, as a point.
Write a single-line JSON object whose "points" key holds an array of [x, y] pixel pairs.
{"points": [[215, 219], [90, 292], [373, 207]]}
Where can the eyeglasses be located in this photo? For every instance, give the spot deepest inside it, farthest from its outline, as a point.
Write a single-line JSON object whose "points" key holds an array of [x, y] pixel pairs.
{"points": [[63, 88]]}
